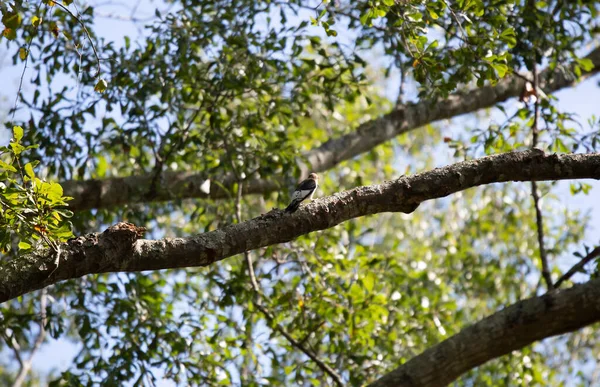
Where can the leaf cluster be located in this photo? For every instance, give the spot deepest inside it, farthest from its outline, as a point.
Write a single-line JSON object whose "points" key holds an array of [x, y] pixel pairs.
{"points": [[31, 209]]}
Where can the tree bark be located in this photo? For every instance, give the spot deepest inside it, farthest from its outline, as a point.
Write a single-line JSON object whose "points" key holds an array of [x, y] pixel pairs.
{"points": [[119, 248], [179, 185], [554, 313]]}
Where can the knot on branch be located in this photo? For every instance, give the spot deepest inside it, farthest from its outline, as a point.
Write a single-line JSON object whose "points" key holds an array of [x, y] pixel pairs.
{"points": [[124, 232], [85, 241], [117, 241]]}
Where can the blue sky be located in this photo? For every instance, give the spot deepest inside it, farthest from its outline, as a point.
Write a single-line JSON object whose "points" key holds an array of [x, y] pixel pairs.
{"points": [[582, 100]]}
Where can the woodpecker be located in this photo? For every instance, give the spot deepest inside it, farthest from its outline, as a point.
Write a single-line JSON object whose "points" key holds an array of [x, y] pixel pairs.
{"points": [[305, 190]]}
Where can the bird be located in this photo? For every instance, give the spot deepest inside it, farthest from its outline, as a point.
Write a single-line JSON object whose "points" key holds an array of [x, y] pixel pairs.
{"points": [[305, 190]]}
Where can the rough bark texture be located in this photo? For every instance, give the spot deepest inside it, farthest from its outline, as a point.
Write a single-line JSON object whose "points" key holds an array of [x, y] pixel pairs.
{"points": [[515, 327], [118, 249], [412, 116], [178, 185], [171, 185]]}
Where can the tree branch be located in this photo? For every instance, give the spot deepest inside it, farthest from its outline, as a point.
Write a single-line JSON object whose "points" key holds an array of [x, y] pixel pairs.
{"points": [[337, 379], [26, 365], [539, 218], [539, 221], [178, 185], [578, 266], [119, 250], [554, 313]]}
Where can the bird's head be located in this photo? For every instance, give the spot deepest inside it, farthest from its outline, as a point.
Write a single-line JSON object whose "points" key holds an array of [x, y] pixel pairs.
{"points": [[314, 176]]}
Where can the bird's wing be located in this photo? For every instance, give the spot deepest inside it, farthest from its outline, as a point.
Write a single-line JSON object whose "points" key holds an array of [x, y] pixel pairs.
{"points": [[301, 194], [308, 184], [304, 189]]}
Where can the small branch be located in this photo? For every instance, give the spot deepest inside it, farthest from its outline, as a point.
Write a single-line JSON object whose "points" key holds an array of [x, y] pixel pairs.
{"points": [[26, 365], [540, 236], [162, 157], [12, 343], [455, 17], [402, 69], [295, 343], [557, 8], [536, 106], [24, 69], [577, 267], [522, 76], [539, 219], [307, 336], [67, 10]]}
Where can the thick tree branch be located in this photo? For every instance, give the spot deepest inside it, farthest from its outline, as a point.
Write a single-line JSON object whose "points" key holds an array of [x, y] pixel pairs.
{"points": [[119, 250], [178, 185], [554, 313]]}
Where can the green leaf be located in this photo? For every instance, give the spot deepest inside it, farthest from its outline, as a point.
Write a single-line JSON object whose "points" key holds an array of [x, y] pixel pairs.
{"points": [[585, 63], [433, 14], [17, 133], [55, 192], [23, 53], [12, 20], [7, 166], [500, 68], [17, 148], [36, 21], [356, 292], [369, 282], [65, 213], [101, 86], [509, 37], [24, 245], [29, 170]]}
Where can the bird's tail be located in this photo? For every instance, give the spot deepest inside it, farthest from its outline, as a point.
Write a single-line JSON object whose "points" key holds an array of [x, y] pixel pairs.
{"points": [[293, 206]]}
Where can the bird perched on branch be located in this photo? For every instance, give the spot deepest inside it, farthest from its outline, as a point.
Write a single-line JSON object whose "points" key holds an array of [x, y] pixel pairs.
{"points": [[305, 190]]}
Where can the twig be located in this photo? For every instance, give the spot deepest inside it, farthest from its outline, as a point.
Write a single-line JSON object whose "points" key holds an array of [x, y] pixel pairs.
{"points": [[334, 375], [295, 343], [161, 158], [522, 76], [87, 33], [534, 191], [249, 263], [12, 343], [24, 69], [401, 68], [540, 236], [536, 109], [455, 17], [238, 215], [557, 8], [307, 336], [26, 365], [578, 266]]}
